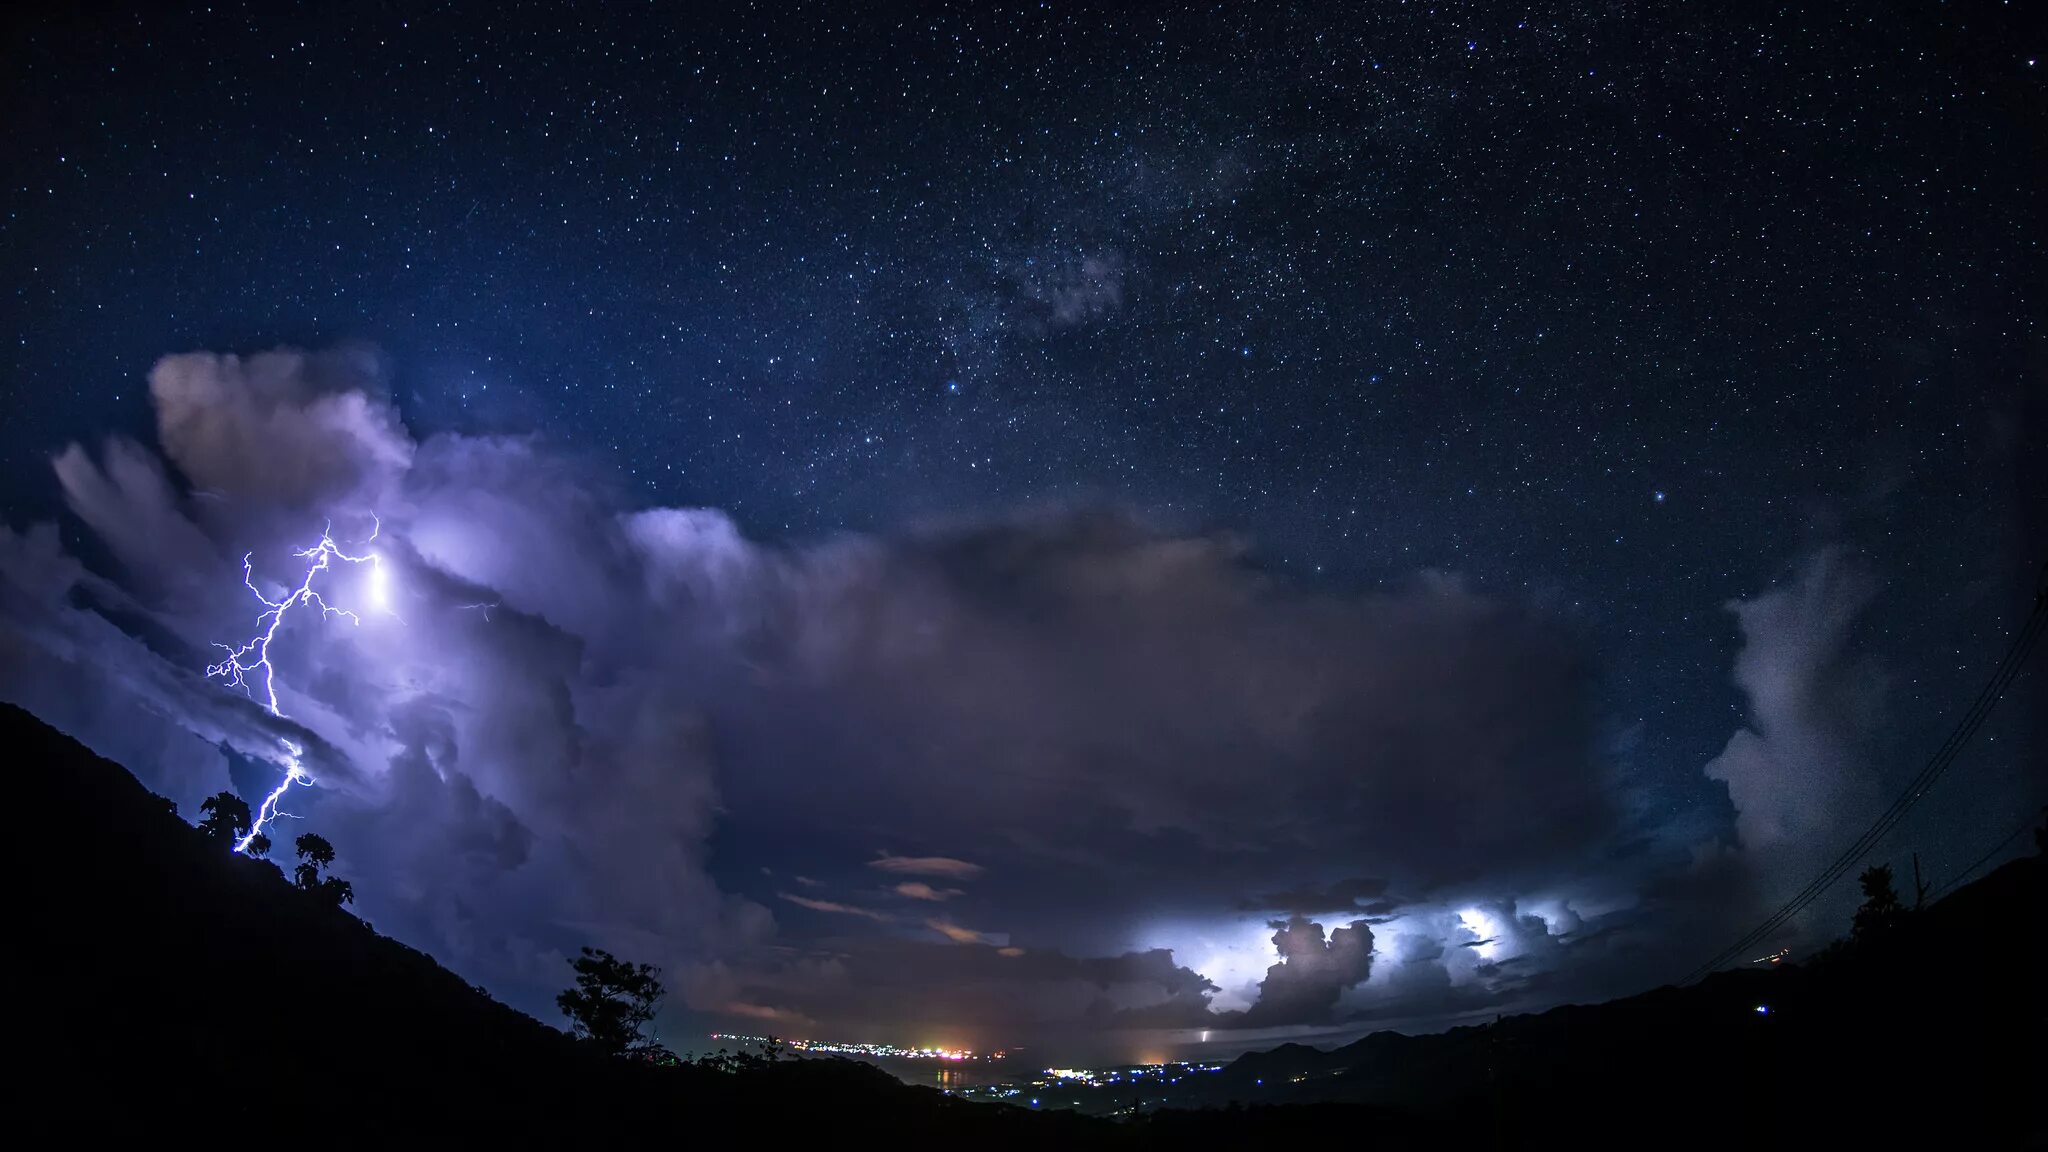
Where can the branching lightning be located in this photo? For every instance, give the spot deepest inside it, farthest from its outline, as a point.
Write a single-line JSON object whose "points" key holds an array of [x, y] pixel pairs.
{"points": [[248, 667]]}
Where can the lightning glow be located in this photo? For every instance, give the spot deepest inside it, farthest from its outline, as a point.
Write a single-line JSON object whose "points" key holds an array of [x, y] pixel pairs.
{"points": [[248, 667], [1485, 932]]}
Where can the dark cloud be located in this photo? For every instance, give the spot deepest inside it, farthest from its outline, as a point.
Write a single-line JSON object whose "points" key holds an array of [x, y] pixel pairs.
{"points": [[993, 677], [1313, 972], [1365, 892], [970, 992]]}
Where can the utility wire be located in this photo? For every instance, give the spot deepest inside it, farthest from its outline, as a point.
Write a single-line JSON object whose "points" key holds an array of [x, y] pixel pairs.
{"points": [[2007, 671], [1957, 881], [1943, 758]]}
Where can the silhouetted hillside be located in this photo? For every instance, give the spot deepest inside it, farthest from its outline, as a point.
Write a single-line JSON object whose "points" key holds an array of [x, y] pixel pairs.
{"points": [[172, 986], [1937, 1032]]}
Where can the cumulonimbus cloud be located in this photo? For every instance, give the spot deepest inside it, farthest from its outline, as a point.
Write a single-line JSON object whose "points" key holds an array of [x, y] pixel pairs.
{"points": [[529, 746], [1303, 987], [1796, 769]]}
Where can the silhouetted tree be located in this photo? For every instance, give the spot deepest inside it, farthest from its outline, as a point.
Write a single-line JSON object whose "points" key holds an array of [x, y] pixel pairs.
{"points": [[612, 1002], [227, 817], [316, 853], [1881, 911], [727, 1061], [773, 1049]]}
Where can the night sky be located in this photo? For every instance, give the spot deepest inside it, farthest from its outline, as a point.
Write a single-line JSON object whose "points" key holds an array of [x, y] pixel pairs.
{"points": [[1043, 524]]}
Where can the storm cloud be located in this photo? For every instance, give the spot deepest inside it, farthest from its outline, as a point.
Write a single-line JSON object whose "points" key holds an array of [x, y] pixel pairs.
{"points": [[1798, 765], [1313, 971], [581, 721]]}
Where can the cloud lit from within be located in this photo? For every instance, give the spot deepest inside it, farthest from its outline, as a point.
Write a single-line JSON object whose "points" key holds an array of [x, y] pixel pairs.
{"points": [[766, 768]]}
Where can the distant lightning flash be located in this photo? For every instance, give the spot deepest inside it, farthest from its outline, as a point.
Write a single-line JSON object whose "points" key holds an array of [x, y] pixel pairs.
{"points": [[248, 667]]}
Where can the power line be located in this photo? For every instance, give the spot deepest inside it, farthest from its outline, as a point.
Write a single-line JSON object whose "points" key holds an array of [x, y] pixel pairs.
{"points": [[1939, 763], [1965, 874], [2008, 669], [2002, 676]]}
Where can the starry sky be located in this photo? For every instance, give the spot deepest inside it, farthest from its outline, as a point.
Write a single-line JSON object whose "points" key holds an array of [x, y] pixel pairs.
{"points": [[1092, 524]]}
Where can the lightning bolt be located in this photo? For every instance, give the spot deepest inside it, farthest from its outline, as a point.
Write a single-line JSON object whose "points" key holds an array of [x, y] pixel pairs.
{"points": [[248, 667]]}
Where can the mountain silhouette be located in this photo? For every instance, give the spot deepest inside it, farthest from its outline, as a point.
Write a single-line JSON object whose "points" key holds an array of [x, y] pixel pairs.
{"points": [[171, 986], [1936, 1032]]}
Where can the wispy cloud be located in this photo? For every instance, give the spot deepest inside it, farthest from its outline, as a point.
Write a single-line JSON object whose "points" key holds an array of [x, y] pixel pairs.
{"points": [[834, 907], [945, 866], [960, 935], [919, 890]]}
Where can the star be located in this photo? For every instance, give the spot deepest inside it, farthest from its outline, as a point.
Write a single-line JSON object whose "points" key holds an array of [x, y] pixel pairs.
{"points": [[725, 276]]}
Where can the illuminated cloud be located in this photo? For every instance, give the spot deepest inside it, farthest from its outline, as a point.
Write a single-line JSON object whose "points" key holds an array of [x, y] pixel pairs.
{"points": [[959, 935], [1485, 941], [127, 501], [834, 907], [288, 428], [1796, 769], [944, 866], [919, 890], [530, 746]]}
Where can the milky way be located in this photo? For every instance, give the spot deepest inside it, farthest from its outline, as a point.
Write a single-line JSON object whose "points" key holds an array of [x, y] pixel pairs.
{"points": [[1517, 481]]}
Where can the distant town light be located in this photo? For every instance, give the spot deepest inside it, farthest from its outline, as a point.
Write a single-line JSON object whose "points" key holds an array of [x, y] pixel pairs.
{"points": [[838, 1048]]}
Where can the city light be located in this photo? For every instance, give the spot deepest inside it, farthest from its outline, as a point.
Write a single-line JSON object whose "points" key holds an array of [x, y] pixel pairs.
{"points": [[838, 1048], [1104, 1091]]}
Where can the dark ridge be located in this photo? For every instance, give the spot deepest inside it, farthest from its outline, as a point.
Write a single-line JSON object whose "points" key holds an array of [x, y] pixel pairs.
{"points": [[170, 986], [1937, 1032]]}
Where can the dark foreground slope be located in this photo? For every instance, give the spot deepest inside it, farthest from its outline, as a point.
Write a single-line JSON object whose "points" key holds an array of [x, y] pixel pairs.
{"points": [[166, 985], [162, 984], [1938, 1033]]}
